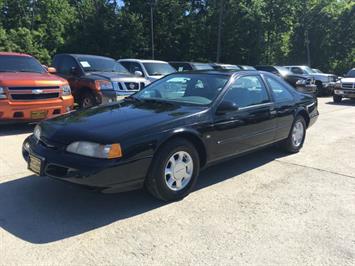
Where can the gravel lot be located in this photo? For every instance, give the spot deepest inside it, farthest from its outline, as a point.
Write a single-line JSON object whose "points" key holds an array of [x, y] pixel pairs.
{"points": [[262, 209]]}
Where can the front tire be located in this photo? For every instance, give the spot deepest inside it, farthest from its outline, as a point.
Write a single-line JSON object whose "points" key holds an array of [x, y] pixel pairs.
{"points": [[337, 98], [87, 100], [174, 171], [296, 137]]}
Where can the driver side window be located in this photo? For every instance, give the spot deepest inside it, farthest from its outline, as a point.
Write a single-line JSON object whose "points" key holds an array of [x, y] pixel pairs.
{"points": [[247, 91]]}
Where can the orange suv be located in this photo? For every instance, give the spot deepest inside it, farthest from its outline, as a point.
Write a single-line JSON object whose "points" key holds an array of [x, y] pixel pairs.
{"points": [[29, 92]]}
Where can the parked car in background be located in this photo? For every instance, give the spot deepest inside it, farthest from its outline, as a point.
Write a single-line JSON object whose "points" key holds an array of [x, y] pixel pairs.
{"points": [[162, 136], [187, 66], [345, 87], [245, 67], [28, 92], [219, 66], [325, 82], [96, 80], [150, 69], [302, 83]]}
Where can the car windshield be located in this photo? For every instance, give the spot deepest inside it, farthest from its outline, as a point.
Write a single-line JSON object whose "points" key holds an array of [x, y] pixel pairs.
{"points": [[283, 71], [101, 64], [196, 89], [351, 73], [10, 63], [230, 67], [203, 67], [308, 70], [158, 69], [248, 68]]}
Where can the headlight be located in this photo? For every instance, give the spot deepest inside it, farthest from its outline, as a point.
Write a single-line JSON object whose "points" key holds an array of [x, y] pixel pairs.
{"points": [[338, 84], [66, 91], [301, 82], [37, 132], [104, 85], [91, 149], [2, 93]]}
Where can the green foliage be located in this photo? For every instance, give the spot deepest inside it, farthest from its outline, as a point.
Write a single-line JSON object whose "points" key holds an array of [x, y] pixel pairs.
{"points": [[253, 31]]}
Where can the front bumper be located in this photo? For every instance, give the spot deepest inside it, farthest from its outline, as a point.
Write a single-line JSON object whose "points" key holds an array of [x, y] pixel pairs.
{"points": [[107, 176], [309, 88], [21, 111], [346, 93]]}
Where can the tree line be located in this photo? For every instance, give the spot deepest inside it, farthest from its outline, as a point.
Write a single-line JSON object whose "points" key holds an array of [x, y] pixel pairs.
{"points": [[251, 31]]}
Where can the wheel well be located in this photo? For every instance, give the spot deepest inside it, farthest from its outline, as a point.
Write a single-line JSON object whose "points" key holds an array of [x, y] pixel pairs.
{"points": [[195, 141], [82, 91], [305, 116]]}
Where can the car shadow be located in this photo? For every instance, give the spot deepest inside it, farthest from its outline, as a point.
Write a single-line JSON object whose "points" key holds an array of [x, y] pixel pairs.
{"points": [[42, 210], [15, 129], [344, 102]]}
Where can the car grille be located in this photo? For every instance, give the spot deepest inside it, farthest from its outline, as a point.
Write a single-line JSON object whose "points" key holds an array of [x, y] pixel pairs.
{"points": [[348, 85], [33, 93], [129, 86], [132, 86]]}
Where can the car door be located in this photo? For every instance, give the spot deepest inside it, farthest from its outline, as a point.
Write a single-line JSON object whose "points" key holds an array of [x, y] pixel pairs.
{"points": [[65, 67], [251, 126], [284, 105]]}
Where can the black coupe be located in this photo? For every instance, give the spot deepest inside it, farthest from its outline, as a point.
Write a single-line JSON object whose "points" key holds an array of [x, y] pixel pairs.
{"points": [[163, 135]]}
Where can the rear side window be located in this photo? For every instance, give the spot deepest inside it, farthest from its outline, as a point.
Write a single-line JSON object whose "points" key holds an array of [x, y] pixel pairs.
{"points": [[247, 91], [296, 70], [279, 90]]}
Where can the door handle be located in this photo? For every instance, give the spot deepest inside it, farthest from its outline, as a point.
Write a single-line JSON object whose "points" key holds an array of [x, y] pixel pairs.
{"points": [[273, 112]]}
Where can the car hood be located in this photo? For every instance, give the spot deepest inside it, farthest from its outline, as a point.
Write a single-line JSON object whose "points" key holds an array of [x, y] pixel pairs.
{"points": [[348, 80], [30, 79], [113, 123]]}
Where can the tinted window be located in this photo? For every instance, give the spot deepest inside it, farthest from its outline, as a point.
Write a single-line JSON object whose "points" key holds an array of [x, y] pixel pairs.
{"points": [[247, 91], [135, 67], [127, 65], [279, 90], [100, 64], [266, 68], [158, 69], [64, 65], [296, 70], [13, 63], [199, 89], [181, 66]]}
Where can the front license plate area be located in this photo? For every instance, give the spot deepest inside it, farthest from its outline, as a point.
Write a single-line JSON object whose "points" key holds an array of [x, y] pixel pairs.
{"points": [[35, 164], [38, 114]]}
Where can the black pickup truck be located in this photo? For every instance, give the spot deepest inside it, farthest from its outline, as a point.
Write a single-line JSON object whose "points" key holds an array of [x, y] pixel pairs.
{"points": [[96, 80]]}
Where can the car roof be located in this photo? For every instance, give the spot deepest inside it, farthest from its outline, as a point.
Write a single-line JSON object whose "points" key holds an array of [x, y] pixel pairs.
{"points": [[14, 54], [86, 55], [142, 60]]}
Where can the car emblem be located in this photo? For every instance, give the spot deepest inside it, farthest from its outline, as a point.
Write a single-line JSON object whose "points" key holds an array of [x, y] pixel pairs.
{"points": [[37, 91], [131, 86]]}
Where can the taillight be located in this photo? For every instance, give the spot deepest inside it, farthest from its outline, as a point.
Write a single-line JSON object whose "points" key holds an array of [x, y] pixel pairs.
{"points": [[2, 93]]}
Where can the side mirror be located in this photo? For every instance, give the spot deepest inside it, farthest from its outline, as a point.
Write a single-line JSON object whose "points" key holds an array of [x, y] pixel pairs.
{"points": [[226, 107], [138, 73], [74, 71], [51, 70]]}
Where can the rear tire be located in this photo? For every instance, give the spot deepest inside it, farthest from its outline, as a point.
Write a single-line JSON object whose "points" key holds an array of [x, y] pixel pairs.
{"points": [[87, 100], [337, 98], [296, 137], [174, 171]]}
